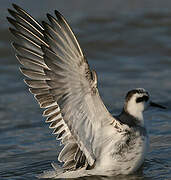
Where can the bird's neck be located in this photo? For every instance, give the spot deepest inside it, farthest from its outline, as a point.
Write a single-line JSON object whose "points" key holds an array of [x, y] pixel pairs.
{"points": [[131, 120]]}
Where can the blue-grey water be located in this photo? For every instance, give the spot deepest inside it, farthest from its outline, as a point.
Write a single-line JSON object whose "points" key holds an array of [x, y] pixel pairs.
{"points": [[129, 45]]}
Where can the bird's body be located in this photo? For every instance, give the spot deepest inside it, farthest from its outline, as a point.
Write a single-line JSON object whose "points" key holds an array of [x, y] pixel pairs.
{"points": [[123, 149], [126, 148], [94, 142]]}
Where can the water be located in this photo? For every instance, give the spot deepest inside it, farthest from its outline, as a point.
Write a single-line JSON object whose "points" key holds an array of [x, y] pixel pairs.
{"points": [[129, 45]]}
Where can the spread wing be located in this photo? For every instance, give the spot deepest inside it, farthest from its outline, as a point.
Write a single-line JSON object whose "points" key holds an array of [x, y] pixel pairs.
{"points": [[62, 82]]}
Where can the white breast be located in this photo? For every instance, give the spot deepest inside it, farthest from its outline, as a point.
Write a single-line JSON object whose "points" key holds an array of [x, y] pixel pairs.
{"points": [[115, 160]]}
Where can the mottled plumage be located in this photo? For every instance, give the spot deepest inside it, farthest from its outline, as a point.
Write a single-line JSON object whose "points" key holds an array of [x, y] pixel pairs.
{"points": [[94, 142]]}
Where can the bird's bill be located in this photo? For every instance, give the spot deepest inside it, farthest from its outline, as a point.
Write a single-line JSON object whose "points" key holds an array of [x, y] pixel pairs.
{"points": [[157, 105]]}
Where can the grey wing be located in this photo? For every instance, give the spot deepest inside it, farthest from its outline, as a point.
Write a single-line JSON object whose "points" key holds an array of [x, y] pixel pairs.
{"points": [[61, 81]]}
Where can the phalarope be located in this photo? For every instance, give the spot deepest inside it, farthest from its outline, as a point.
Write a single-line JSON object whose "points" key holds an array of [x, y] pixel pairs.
{"points": [[94, 142]]}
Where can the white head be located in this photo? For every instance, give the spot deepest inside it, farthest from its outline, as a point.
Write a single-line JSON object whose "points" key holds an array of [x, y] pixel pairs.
{"points": [[137, 101]]}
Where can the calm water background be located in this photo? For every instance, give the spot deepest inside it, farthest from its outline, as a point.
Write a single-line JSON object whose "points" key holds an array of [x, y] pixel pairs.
{"points": [[129, 45]]}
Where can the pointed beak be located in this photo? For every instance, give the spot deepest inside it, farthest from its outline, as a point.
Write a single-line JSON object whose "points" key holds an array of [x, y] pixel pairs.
{"points": [[157, 105]]}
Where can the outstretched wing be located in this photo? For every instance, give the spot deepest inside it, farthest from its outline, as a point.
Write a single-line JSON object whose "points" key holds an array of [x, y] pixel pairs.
{"points": [[61, 81]]}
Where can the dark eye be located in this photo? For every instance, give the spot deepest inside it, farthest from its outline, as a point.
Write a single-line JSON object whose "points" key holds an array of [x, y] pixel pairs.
{"points": [[146, 98], [141, 99]]}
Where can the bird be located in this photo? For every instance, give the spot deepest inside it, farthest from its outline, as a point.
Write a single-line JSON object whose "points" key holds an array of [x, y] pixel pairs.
{"points": [[94, 142]]}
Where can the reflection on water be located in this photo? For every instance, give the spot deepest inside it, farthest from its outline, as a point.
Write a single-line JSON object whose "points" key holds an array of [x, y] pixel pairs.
{"points": [[130, 177], [127, 50], [138, 176]]}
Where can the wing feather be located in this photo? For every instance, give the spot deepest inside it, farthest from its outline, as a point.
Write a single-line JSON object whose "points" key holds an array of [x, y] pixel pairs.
{"points": [[28, 53], [61, 81], [36, 84]]}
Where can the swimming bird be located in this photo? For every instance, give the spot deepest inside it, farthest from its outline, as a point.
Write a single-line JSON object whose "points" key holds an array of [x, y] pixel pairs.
{"points": [[58, 74]]}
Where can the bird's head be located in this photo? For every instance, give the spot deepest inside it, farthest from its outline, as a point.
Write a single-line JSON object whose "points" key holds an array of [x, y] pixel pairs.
{"points": [[137, 101]]}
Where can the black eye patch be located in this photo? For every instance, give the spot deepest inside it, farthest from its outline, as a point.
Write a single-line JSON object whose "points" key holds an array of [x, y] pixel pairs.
{"points": [[141, 99]]}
